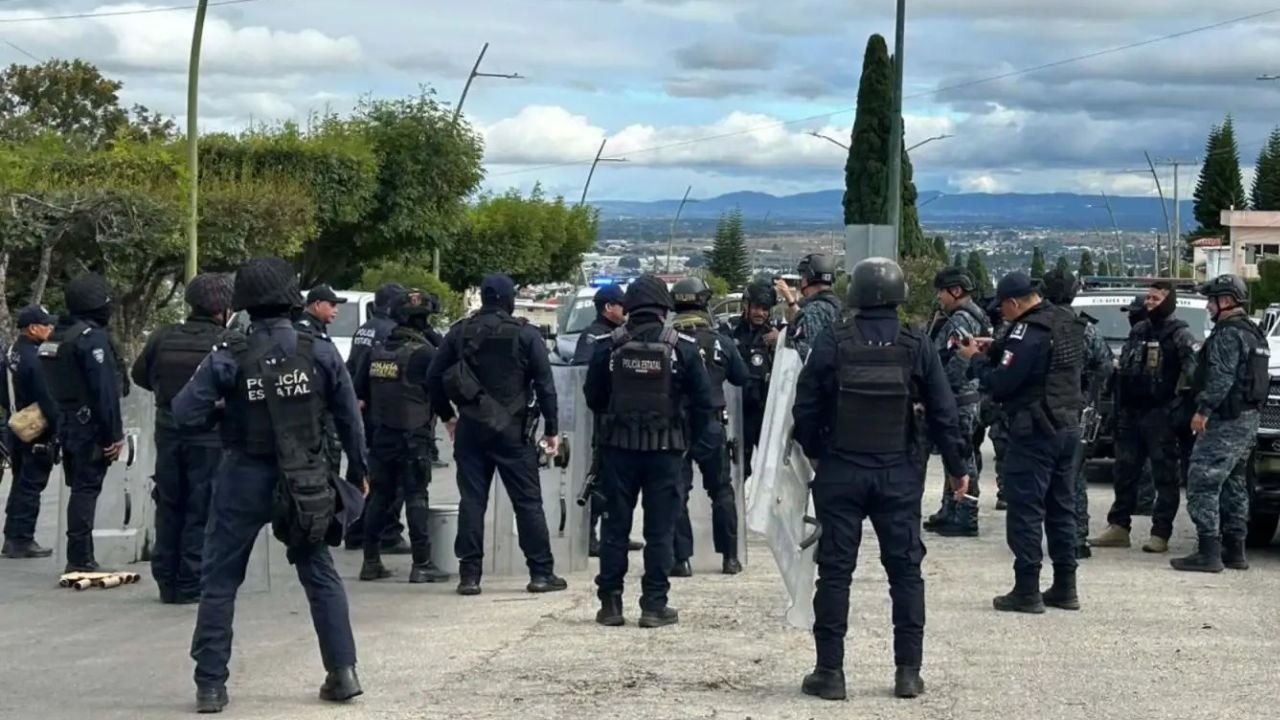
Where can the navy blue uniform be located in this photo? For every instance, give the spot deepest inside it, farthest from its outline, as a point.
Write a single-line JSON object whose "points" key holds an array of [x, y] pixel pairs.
{"points": [[714, 470], [242, 501], [479, 450], [186, 461], [885, 487], [89, 421], [32, 462], [1038, 480], [371, 334], [627, 474]]}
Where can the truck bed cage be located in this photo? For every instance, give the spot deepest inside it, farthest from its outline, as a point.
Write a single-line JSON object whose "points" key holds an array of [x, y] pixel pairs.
{"points": [[1100, 282]]}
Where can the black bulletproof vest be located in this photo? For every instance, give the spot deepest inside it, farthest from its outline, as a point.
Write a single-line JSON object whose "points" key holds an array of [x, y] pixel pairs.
{"points": [[643, 412], [61, 369], [1150, 364], [491, 347], [395, 402], [247, 426], [179, 352], [714, 359], [873, 410], [1058, 397], [758, 356], [1253, 378]]}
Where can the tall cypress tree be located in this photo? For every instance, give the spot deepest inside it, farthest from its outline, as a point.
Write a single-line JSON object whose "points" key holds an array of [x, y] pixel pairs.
{"points": [[1086, 263], [959, 261], [978, 271], [1266, 179], [1104, 267], [1219, 187], [1037, 262], [866, 170], [728, 256]]}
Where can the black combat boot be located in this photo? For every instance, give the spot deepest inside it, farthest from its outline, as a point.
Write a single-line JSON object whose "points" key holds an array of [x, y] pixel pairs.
{"points": [[731, 565], [610, 613], [1024, 598], [659, 618], [1083, 551], [25, 550], [469, 584], [211, 699], [939, 518], [1062, 594], [963, 522], [1002, 504], [546, 584], [1206, 558], [425, 571], [825, 683], [681, 569], [1233, 553], [341, 685], [83, 566], [373, 569], [907, 682]]}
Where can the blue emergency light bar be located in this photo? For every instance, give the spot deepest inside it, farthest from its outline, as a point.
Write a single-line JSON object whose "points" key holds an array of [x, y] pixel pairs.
{"points": [[601, 281]]}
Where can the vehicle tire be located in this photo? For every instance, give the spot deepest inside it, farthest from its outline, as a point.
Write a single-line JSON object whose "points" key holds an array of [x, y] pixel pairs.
{"points": [[1262, 529]]}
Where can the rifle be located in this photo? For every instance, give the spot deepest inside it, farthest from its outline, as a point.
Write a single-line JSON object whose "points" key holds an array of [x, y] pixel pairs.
{"points": [[592, 485]]}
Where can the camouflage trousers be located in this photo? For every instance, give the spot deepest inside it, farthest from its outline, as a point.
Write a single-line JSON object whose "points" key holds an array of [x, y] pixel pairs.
{"points": [[999, 435], [1217, 488]]}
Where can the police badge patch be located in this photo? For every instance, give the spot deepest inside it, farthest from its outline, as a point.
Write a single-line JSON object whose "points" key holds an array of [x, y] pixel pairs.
{"points": [[1019, 331], [757, 360], [1007, 359], [100, 355]]}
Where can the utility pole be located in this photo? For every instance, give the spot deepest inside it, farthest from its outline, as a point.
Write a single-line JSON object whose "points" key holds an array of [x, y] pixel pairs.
{"points": [[595, 162], [895, 135], [457, 113], [671, 237], [1176, 164], [1114, 226], [193, 143]]}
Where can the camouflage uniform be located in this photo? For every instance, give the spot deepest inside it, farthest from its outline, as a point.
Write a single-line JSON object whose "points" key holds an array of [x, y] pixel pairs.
{"points": [[1098, 365], [966, 319], [1217, 491], [993, 417], [817, 313]]}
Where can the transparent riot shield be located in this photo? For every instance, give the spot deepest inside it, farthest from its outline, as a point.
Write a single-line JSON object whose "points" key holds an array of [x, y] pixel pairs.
{"points": [[705, 559]]}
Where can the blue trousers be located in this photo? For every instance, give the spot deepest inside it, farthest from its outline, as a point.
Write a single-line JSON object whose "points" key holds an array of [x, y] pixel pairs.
{"points": [[626, 475], [84, 468], [184, 476], [1039, 485], [30, 478], [239, 507]]}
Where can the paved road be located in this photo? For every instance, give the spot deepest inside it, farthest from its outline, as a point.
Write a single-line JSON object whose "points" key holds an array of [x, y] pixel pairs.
{"points": [[1150, 643]]}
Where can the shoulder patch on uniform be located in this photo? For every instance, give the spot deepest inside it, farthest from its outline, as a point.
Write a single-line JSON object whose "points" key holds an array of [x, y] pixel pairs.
{"points": [[1007, 359], [686, 338], [757, 359], [1018, 332], [1196, 346], [87, 329], [100, 355]]}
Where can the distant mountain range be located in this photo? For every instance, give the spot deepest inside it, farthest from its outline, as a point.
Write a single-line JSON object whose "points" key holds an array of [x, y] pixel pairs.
{"points": [[1049, 210]]}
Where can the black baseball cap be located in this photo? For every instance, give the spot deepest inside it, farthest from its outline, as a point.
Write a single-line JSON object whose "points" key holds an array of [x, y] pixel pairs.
{"points": [[324, 293], [34, 315]]}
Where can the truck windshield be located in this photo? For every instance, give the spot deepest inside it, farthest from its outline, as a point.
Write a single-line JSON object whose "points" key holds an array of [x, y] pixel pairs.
{"points": [[581, 313], [1113, 323]]}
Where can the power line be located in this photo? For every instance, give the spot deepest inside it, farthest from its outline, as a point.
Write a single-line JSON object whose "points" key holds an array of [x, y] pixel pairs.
{"points": [[927, 93], [24, 52], [115, 13]]}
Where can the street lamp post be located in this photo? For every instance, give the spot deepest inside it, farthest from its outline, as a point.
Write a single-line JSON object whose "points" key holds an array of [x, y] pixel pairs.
{"points": [[895, 134], [193, 143], [592, 172], [671, 237], [839, 144]]}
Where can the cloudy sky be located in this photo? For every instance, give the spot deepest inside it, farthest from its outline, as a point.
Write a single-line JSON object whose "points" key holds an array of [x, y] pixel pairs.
{"points": [[718, 94]]}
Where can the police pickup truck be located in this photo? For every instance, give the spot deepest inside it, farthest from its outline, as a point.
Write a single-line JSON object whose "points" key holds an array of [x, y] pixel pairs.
{"points": [[1264, 485]]}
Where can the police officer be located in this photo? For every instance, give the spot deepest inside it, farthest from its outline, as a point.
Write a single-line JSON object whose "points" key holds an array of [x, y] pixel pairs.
{"points": [[962, 319], [993, 418], [371, 334], [1158, 355], [757, 339], [723, 362], [1034, 372], [609, 316], [818, 308], [486, 366], [1060, 288], [1136, 312], [1230, 385], [82, 371], [393, 385], [32, 461], [854, 418], [649, 387], [186, 460], [322, 308], [274, 383], [431, 305]]}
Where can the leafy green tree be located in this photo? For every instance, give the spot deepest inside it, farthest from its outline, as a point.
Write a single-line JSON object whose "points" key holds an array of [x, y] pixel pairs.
{"points": [[1086, 263], [921, 296], [414, 275], [1037, 262], [719, 286], [727, 258]]}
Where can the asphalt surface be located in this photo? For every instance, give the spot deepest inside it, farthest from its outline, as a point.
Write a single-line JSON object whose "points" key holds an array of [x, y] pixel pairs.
{"points": [[1149, 643]]}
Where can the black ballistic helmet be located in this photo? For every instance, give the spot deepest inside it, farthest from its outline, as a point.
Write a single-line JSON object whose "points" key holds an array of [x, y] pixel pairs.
{"points": [[692, 293], [266, 282], [648, 291], [1228, 285], [953, 277], [403, 310], [762, 292], [210, 292], [1060, 286], [818, 268], [87, 293], [877, 282], [385, 294]]}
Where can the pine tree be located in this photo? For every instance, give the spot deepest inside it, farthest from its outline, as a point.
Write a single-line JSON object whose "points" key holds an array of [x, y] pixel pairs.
{"points": [[1086, 263], [1062, 265], [958, 262], [1266, 180], [728, 256], [867, 167], [940, 247], [978, 271], [1037, 262], [1219, 187], [1104, 267]]}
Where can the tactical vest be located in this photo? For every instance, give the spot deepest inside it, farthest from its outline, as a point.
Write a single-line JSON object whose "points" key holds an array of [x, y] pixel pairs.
{"points": [[1150, 364], [395, 402], [248, 426], [755, 351], [1058, 401], [711, 352], [178, 353], [873, 411], [62, 370], [488, 382], [643, 411], [971, 309], [1253, 377]]}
